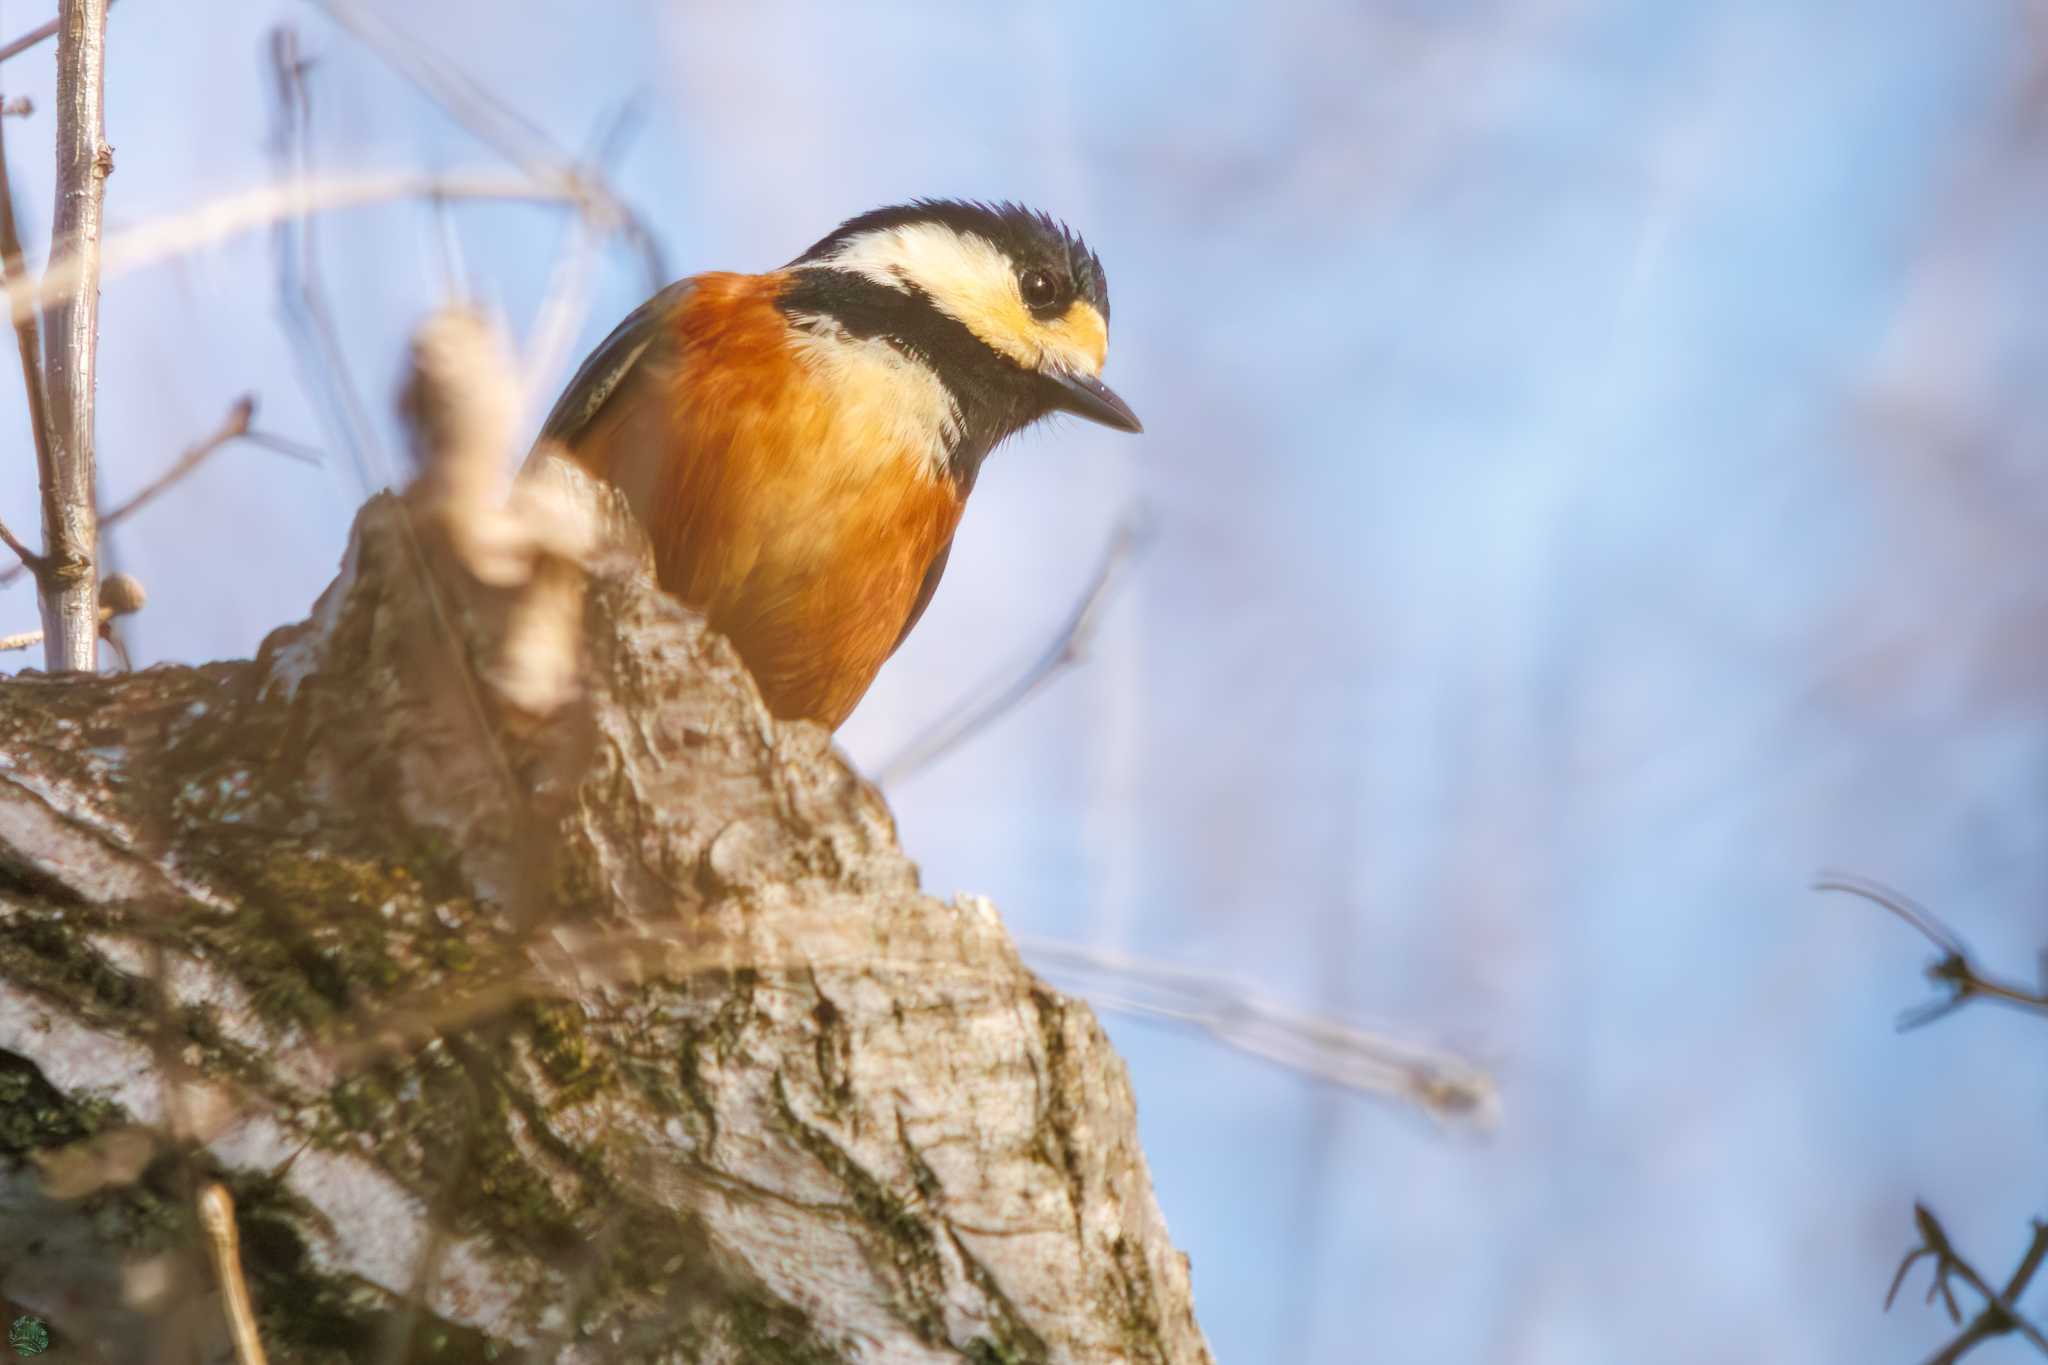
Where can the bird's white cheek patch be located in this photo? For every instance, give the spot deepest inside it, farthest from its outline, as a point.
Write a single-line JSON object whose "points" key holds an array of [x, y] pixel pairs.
{"points": [[884, 403], [965, 276], [969, 279]]}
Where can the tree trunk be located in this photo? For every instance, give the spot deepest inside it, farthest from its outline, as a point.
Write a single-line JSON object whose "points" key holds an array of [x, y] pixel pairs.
{"points": [[622, 1034]]}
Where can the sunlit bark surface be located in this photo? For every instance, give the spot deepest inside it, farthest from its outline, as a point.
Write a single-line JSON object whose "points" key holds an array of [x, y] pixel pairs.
{"points": [[619, 1034]]}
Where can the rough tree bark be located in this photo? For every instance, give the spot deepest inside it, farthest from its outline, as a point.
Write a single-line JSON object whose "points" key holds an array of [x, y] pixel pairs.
{"points": [[624, 1035]]}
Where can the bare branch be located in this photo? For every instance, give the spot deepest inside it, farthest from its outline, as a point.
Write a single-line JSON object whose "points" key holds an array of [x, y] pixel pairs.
{"points": [[69, 582], [1901, 905], [1998, 1317], [167, 238], [1445, 1086], [30, 560], [283, 445], [41, 33], [323, 361], [498, 125], [27, 334], [234, 426], [38, 34], [1068, 648], [1953, 970], [217, 1217]]}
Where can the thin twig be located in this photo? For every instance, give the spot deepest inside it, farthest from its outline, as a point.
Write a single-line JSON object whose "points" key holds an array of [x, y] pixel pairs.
{"points": [[498, 125], [231, 215], [1068, 648], [217, 1216], [234, 426], [323, 361], [1444, 1085], [568, 294], [285, 446], [70, 582], [1998, 1317], [1953, 970], [30, 560], [41, 33], [27, 335]]}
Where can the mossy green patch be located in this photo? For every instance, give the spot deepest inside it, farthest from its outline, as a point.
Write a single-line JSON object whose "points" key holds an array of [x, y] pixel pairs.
{"points": [[35, 1115]]}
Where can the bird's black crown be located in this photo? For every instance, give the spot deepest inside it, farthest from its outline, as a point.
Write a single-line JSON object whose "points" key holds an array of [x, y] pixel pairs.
{"points": [[1031, 239]]}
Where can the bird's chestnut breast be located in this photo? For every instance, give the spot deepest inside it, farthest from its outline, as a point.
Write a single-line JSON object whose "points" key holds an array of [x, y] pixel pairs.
{"points": [[796, 501]]}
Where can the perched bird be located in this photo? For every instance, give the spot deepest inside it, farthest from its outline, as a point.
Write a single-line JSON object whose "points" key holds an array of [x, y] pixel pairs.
{"points": [[800, 444]]}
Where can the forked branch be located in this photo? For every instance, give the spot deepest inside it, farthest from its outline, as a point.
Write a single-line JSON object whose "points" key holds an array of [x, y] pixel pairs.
{"points": [[1998, 1317], [1953, 971], [235, 426]]}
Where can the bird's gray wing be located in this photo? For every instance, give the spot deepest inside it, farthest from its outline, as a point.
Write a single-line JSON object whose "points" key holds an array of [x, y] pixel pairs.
{"points": [[644, 336], [924, 595]]}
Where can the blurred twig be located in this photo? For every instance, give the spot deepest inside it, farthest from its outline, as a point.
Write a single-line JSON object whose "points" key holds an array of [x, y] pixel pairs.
{"points": [[323, 361], [235, 424], [567, 296], [1068, 648], [41, 33], [500, 126], [1445, 1086], [217, 1216], [564, 960], [233, 427], [1953, 971], [167, 238], [1998, 1317], [27, 325]]}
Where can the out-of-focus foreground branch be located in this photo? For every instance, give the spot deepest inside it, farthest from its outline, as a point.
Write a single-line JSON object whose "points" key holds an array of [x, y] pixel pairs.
{"points": [[535, 994]]}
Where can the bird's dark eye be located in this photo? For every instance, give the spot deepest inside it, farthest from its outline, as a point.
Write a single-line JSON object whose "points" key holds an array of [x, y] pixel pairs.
{"points": [[1039, 289]]}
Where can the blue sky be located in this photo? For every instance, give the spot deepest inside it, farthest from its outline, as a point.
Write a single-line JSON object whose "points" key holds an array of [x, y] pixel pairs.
{"points": [[1588, 444]]}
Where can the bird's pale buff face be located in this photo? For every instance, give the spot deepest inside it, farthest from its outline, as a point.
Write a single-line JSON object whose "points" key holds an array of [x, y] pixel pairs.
{"points": [[973, 281]]}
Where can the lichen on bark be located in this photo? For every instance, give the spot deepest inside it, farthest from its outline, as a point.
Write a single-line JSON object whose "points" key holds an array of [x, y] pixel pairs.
{"points": [[619, 1034]]}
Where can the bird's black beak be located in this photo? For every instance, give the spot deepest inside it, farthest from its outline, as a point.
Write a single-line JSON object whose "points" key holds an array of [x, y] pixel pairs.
{"points": [[1086, 396]]}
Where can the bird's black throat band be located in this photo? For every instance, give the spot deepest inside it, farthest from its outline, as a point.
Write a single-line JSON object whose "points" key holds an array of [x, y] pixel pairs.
{"points": [[996, 396]]}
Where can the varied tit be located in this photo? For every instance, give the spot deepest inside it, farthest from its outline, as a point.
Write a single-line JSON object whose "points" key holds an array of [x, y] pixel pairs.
{"points": [[800, 444]]}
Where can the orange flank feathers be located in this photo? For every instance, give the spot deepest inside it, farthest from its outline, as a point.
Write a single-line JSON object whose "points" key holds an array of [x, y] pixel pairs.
{"points": [[789, 495]]}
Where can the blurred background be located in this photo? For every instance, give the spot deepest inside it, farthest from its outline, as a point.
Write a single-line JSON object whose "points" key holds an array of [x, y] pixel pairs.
{"points": [[1592, 453]]}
